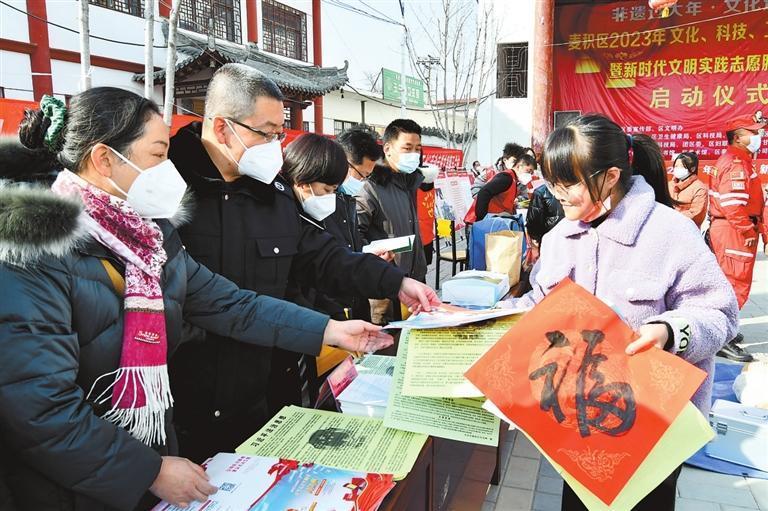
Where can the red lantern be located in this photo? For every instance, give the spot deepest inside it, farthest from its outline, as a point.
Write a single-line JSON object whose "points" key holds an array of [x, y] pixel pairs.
{"points": [[661, 5]]}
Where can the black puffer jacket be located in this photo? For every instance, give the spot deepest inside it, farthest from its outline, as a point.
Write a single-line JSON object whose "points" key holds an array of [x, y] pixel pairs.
{"points": [[253, 234], [61, 328], [544, 212]]}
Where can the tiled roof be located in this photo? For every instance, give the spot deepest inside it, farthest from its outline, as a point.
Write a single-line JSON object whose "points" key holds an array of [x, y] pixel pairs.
{"points": [[195, 53]]}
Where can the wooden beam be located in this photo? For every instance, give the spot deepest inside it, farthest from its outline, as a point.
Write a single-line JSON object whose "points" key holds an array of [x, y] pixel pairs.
{"points": [[17, 46], [106, 62]]}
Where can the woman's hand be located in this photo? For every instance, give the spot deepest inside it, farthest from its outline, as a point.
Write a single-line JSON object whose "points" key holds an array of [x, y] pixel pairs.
{"points": [[356, 336], [181, 482], [650, 335]]}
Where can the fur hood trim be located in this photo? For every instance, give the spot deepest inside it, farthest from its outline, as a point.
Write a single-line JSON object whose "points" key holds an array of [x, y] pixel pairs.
{"points": [[35, 223]]}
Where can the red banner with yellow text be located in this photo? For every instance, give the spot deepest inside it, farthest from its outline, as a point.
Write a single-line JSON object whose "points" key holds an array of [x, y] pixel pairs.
{"points": [[677, 79]]}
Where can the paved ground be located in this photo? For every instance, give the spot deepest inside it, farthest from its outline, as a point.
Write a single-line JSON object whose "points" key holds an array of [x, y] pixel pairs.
{"points": [[530, 483]]}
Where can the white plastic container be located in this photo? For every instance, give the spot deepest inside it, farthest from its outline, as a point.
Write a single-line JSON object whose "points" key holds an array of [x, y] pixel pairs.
{"points": [[742, 434], [478, 288]]}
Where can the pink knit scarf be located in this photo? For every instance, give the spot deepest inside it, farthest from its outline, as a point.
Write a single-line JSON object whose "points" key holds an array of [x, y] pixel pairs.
{"points": [[140, 393]]}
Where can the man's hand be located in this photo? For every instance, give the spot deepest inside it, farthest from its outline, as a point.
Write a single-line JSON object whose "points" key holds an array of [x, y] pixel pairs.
{"points": [[387, 255], [181, 482], [356, 336], [417, 296], [750, 242], [650, 335]]}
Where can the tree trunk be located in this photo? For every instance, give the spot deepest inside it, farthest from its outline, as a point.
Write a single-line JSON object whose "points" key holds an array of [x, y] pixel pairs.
{"points": [[149, 52], [85, 47], [170, 63]]}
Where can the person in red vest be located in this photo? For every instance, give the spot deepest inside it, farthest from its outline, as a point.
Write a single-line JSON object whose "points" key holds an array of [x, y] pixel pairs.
{"points": [[736, 212], [425, 205], [501, 193]]}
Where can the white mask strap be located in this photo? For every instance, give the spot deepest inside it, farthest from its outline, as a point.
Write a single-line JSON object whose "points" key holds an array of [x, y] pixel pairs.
{"points": [[129, 162], [232, 128], [126, 160]]}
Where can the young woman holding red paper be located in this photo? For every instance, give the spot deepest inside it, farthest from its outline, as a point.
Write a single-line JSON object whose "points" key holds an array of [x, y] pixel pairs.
{"points": [[622, 241]]}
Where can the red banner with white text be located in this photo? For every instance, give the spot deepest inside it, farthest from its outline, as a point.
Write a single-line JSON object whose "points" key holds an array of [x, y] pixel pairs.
{"points": [[678, 79]]}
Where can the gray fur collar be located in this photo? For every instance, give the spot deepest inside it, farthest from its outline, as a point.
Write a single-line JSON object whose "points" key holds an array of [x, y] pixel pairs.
{"points": [[35, 222]]}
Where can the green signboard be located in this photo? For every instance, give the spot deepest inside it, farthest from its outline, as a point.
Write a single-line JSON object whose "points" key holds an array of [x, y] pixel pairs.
{"points": [[414, 88]]}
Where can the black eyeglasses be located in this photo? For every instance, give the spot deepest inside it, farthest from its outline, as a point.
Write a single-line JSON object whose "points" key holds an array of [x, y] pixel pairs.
{"points": [[565, 191], [269, 137], [362, 177]]}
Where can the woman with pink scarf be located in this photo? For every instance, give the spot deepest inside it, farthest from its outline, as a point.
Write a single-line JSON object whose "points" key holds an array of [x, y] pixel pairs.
{"points": [[95, 287]]}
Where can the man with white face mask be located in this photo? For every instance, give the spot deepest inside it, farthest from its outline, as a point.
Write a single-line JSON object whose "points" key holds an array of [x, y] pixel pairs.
{"points": [[387, 207], [736, 212], [249, 226]]}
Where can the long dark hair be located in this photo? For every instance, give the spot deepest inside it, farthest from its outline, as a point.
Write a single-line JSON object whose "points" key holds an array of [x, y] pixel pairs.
{"points": [[593, 143], [314, 158], [105, 115]]}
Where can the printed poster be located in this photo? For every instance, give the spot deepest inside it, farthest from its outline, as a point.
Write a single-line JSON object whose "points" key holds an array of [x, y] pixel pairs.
{"points": [[453, 197], [333, 439], [561, 375]]}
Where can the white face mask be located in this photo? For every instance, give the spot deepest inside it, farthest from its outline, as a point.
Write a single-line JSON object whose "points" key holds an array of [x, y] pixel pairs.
{"points": [[319, 207], [430, 173], [601, 208], [680, 173], [408, 162], [525, 178], [261, 162], [754, 143], [352, 186], [157, 192]]}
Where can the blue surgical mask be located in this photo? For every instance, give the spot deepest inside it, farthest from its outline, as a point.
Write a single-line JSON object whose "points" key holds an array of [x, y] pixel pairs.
{"points": [[351, 186], [408, 162]]}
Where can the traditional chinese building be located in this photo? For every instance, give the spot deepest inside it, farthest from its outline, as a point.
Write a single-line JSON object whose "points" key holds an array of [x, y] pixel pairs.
{"points": [[40, 52], [200, 57]]}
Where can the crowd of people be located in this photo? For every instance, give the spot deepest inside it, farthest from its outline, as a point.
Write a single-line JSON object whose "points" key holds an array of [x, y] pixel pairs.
{"points": [[164, 296]]}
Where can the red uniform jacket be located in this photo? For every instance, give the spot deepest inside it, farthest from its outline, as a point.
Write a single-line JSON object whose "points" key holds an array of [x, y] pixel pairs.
{"points": [[735, 192]]}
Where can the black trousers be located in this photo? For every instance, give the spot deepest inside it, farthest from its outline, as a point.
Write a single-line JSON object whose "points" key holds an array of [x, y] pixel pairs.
{"points": [[662, 498]]}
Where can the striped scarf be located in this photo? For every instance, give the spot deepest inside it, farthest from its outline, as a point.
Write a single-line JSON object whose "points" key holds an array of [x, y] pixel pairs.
{"points": [[140, 392]]}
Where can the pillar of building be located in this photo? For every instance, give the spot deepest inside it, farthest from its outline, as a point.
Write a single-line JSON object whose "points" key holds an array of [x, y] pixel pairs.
{"points": [[318, 59], [253, 21], [297, 116], [40, 58], [542, 72]]}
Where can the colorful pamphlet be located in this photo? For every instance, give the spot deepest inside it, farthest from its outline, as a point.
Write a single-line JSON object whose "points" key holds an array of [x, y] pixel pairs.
{"points": [[254, 483]]}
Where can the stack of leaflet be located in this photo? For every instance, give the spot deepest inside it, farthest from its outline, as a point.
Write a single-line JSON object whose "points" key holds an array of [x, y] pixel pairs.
{"points": [[339, 440], [366, 395], [395, 245]]}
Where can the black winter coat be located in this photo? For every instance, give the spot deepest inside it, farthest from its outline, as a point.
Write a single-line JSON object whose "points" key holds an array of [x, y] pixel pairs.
{"points": [[544, 213], [61, 329], [386, 208], [342, 225], [252, 233]]}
